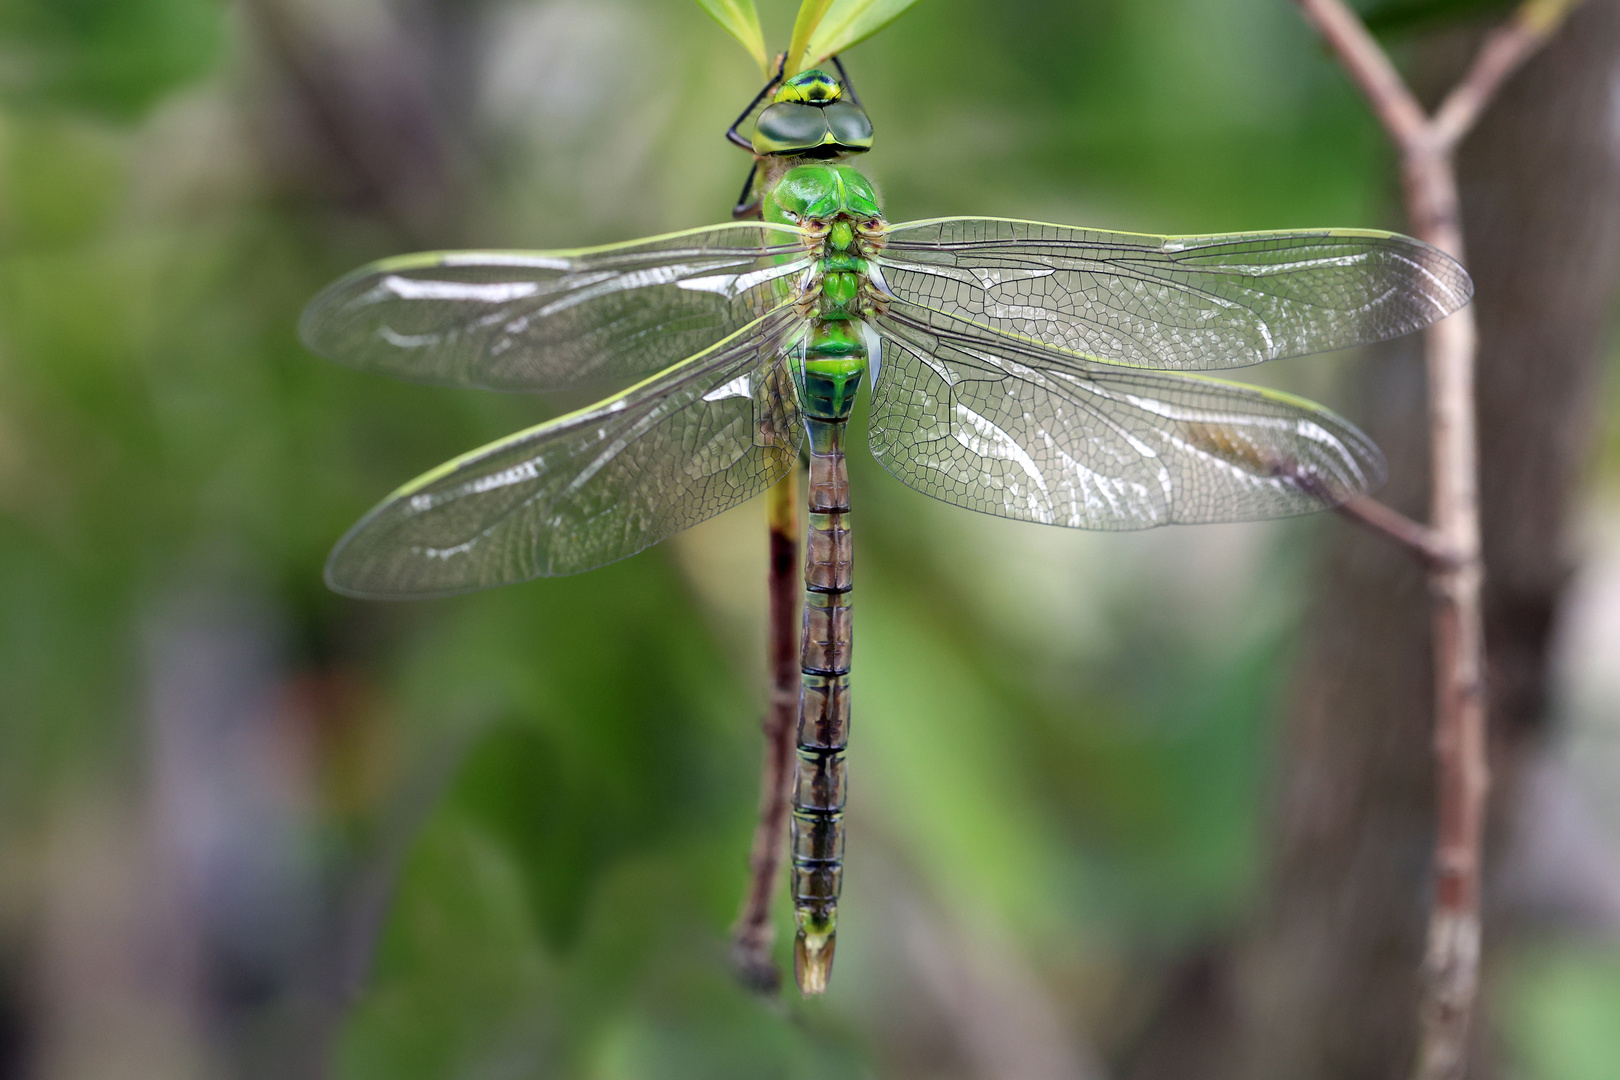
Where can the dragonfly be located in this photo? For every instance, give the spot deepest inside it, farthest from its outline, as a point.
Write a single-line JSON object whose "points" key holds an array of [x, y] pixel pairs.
{"points": [[1037, 372]]}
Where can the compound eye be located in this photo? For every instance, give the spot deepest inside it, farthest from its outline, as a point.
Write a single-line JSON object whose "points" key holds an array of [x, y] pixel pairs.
{"points": [[786, 128], [849, 126]]}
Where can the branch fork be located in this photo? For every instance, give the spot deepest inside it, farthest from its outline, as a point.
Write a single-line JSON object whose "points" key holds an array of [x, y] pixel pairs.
{"points": [[1449, 546]]}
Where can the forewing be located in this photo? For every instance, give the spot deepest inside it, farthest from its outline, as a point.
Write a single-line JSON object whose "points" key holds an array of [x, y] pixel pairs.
{"points": [[527, 320], [1174, 302], [1001, 430], [591, 487]]}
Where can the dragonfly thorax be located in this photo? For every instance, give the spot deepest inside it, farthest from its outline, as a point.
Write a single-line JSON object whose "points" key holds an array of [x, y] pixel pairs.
{"points": [[815, 193], [837, 213]]}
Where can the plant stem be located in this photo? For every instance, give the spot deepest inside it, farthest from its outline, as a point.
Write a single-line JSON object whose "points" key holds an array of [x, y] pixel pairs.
{"points": [[1415, 536], [755, 933], [1450, 546]]}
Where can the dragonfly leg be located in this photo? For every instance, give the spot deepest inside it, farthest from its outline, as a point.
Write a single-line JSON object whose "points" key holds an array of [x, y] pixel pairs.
{"points": [[732, 134], [749, 202], [849, 87], [818, 786]]}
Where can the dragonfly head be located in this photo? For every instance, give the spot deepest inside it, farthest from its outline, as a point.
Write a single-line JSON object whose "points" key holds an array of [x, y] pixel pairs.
{"points": [[810, 117]]}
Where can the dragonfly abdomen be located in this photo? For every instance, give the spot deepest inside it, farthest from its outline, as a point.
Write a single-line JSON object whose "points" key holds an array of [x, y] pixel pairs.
{"points": [[834, 360], [819, 782]]}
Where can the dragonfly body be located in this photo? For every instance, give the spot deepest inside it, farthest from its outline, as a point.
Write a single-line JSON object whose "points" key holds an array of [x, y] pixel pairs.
{"points": [[837, 210], [1037, 372]]}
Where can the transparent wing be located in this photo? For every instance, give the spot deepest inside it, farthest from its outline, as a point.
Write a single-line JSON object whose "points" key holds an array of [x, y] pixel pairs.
{"points": [[1000, 429], [591, 487], [1174, 302], [538, 320]]}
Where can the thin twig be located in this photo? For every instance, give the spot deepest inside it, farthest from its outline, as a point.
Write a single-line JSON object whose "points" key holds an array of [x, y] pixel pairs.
{"points": [[1370, 67], [1505, 49], [755, 933], [1414, 536], [1450, 546]]}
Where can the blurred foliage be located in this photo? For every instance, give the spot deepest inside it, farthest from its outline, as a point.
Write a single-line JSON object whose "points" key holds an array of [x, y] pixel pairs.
{"points": [[1403, 16], [1057, 756], [1561, 1011], [111, 57]]}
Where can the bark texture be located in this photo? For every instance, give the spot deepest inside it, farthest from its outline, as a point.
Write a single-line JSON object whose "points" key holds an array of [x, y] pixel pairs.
{"points": [[1326, 987]]}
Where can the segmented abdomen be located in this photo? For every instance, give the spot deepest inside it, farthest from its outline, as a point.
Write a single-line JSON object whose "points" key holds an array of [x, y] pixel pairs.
{"points": [[818, 787]]}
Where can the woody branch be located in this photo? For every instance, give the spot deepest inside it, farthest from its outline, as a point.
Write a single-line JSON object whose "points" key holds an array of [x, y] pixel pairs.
{"points": [[754, 934], [1449, 545]]}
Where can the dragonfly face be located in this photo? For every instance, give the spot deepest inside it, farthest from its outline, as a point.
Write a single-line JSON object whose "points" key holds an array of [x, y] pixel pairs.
{"points": [[811, 118]]}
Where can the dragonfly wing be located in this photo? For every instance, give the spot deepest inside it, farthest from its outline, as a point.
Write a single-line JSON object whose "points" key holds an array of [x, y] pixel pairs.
{"points": [[1174, 302], [590, 487], [537, 320], [996, 428]]}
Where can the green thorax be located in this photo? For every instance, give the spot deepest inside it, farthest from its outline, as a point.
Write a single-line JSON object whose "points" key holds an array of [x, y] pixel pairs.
{"points": [[838, 211], [820, 191]]}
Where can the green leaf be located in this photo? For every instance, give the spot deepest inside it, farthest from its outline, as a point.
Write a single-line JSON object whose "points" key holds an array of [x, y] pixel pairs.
{"points": [[739, 19], [804, 27], [850, 22]]}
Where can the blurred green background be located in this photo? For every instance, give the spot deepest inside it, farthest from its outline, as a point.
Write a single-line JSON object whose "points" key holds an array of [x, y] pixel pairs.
{"points": [[252, 829]]}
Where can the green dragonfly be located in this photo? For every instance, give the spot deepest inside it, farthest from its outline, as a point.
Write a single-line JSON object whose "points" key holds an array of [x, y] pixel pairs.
{"points": [[1032, 371]]}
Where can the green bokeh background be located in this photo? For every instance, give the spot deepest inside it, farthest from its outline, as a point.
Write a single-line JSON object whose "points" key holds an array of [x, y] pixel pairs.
{"points": [[541, 797]]}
